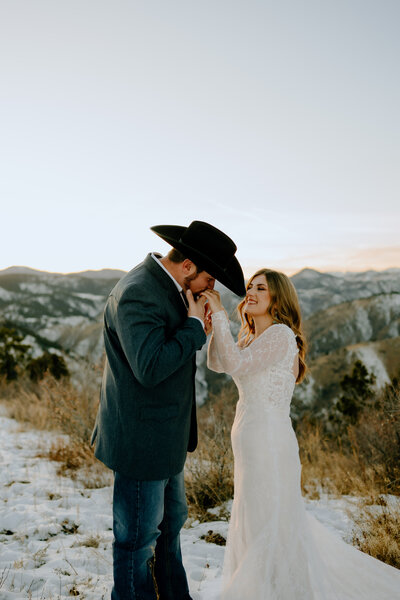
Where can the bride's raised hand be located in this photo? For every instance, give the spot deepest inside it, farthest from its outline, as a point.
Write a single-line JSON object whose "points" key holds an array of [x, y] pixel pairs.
{"points": [[208, 324], [213, 300]]}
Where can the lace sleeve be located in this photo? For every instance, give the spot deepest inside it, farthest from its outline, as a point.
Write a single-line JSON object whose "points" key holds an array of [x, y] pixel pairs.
{"points": [[270, 348], [213, 361]]}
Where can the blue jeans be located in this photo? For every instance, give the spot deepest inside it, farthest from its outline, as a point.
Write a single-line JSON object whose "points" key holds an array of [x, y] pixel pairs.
{"points": [[148, 517]]}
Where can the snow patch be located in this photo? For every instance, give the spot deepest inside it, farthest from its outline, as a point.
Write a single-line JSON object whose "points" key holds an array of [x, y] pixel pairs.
{"points": [[374, 364], [363, 323], [5, 294], [35, 288], [36, 350], [94, 297]]}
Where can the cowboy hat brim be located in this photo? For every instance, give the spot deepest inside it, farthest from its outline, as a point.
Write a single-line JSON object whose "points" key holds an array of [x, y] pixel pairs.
{"points": [[230, 275]]}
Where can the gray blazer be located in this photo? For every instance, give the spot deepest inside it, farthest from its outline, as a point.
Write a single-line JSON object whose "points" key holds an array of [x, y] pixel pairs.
{"points": [[146, 420]]}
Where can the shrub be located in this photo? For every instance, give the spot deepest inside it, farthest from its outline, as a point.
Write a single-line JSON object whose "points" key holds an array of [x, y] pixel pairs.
{"points": [[209, 472], [47, 363]]}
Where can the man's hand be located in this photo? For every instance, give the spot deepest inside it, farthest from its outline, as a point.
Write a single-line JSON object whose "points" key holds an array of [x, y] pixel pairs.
{"points": [[196, 307], [213, 299]]}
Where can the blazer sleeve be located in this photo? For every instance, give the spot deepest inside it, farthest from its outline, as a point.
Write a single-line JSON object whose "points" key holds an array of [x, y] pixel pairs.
{"points": [[151, 353]]}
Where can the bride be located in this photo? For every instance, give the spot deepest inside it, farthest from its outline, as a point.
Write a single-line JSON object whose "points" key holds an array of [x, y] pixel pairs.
{"points": [[275, 549]]}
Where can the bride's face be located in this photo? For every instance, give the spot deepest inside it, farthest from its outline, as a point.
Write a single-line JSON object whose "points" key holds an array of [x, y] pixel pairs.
{"points": [[257, 297]]}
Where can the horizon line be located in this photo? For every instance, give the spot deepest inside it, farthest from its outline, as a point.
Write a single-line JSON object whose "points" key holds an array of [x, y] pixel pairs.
{"points": [[290, 271]]}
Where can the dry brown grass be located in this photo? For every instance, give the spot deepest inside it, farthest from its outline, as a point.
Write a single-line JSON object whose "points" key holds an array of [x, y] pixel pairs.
{"points": [[71, 456], [61, 407], [378, 532], [52, 405], [363, 461], [214, 538], [209, 472], [327, 466], [91, 541]]}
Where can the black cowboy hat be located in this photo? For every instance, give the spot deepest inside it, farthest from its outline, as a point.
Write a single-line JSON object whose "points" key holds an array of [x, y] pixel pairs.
{"points": [[209, 248]]}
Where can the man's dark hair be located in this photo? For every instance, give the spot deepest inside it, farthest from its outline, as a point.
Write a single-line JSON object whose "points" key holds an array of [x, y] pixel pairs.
{"points": [[176, 256]]}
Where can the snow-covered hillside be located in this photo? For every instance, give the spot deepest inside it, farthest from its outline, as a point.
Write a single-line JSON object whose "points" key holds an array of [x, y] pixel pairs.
{"points": [[318, 291], [366, 320], [56, 312]]}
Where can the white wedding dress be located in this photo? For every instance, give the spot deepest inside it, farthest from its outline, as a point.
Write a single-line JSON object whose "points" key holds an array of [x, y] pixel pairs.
{"points": [[275, 549]]}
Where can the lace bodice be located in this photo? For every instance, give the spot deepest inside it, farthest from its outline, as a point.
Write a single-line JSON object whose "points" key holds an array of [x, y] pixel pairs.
{"points": [[262, 371]]}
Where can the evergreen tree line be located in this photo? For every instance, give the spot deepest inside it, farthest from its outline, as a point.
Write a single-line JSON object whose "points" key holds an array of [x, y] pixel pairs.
{"points": [[16, 359]]}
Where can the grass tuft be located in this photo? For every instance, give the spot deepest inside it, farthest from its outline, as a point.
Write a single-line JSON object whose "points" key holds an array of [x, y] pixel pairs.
{"points": [[378, 532]]}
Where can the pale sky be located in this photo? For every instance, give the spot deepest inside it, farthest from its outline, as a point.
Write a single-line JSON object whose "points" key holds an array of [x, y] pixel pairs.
{"points": [[277, 122]]}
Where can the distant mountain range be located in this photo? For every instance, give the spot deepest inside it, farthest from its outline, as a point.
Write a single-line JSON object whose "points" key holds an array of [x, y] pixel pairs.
{"points": [[347, 316], [100, 274], [318, 291]]}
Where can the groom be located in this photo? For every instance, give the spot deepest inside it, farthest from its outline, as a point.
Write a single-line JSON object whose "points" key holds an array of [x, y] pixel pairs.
{"points": [[153, 325]]}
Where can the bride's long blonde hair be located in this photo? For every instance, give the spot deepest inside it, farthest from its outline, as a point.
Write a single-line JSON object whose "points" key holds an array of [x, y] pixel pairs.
{"points": [[283, 308]]}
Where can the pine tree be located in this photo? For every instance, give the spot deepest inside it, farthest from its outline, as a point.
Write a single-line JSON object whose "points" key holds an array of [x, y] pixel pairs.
{"points": [[12, 352], [357, 390]]}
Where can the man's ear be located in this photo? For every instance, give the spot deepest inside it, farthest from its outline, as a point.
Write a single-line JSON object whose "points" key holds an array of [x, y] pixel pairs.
{"points": [[188, 267]]}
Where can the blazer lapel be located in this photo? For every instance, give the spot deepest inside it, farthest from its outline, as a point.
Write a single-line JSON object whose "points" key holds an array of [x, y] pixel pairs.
{"points": [[165, 280]]}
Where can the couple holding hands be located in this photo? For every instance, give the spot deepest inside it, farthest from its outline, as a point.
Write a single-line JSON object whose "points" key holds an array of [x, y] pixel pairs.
{"points": [[146, 423]]}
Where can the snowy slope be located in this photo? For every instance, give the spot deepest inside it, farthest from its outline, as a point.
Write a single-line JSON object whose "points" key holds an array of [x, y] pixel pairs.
{"points": [[56, 534]]}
